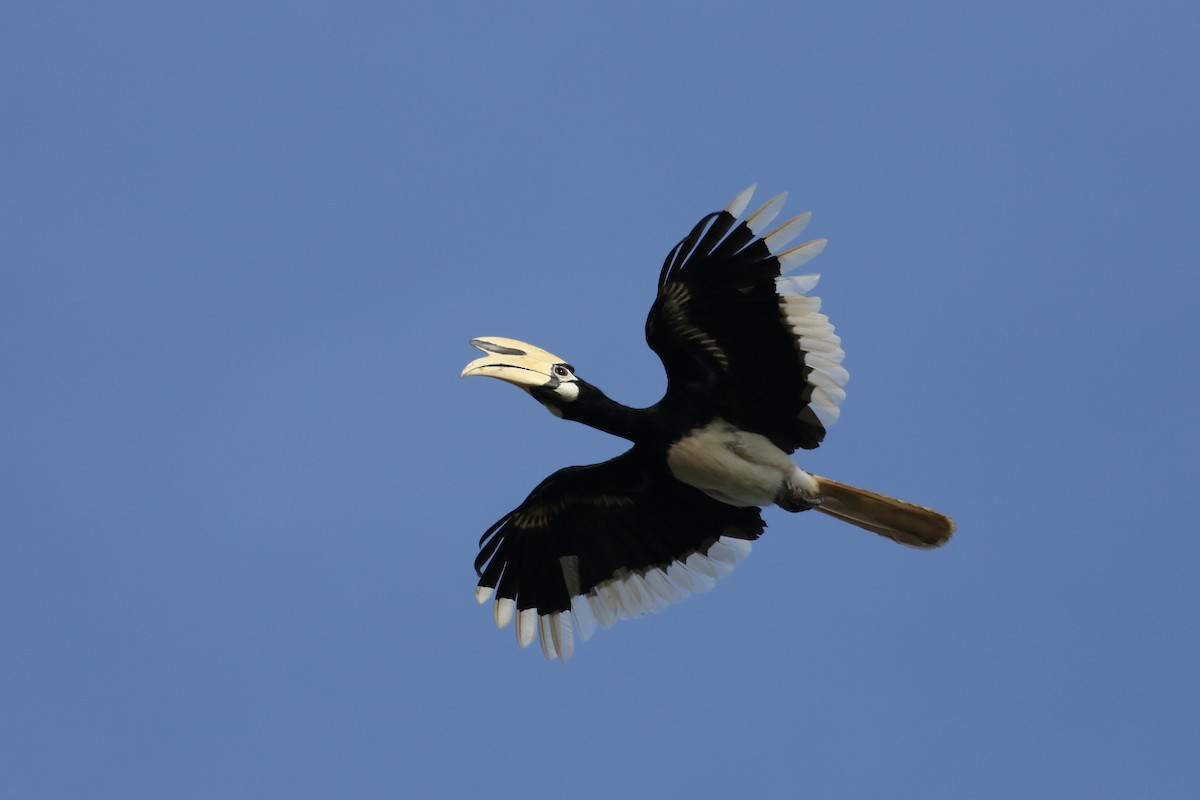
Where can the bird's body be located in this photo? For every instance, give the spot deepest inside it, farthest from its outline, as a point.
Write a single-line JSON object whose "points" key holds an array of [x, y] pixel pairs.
{"points": [[738, 467], [754, 372]]}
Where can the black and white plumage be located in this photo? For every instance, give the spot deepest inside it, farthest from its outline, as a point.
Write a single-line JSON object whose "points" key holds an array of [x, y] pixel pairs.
{"points": [[753, 373]]}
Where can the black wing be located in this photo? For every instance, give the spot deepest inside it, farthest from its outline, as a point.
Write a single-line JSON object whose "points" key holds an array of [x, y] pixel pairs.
{"points": [[727, 327], [606, 542]]}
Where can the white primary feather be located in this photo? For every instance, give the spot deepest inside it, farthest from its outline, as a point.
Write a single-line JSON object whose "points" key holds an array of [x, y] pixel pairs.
{"points": [[617, 599], [828, 384], [800, 254], [644, 596], [701, 581], [635, 599], [503, 611], [797, 286], [546, 633], [564, 640], [721, 567], [809, 324], [823, 353], [830, 348], [585, 619], [663, 588], [570, 570], [558, 638], [831, 393], [777, 239], [760, 219], [631, 601], [825, 407], [632, 594], [699, 565], [620, 598], [720, 553], [740, 547], [679, 576], [526, 626], [602, 609], [738, 204], [822, 364]]}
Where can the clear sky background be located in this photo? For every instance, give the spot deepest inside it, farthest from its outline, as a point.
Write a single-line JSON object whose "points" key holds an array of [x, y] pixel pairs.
{"points": [[244, 245]]}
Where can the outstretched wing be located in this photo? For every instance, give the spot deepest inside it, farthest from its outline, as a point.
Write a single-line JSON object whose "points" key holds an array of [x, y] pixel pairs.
{"points": [[606, 542], [728, 327]]}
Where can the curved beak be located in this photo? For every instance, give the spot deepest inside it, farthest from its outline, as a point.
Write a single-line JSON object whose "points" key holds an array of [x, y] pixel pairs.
{"points": [[511, 360]]}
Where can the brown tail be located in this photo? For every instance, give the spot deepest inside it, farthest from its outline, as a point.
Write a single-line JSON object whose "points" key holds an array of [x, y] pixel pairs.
{"points": [[903, 522]]}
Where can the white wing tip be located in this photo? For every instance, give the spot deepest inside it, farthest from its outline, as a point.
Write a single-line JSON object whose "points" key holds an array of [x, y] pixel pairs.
{"points": [[795, 289], [760, 219], [483, 594], [738, 204], [621, 597], [527, 625], [503, 611], [558, 635], [800, 254], [777, 239]]}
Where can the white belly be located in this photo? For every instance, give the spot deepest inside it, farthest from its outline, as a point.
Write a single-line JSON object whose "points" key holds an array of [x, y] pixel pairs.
{"points": [[733, 466]]}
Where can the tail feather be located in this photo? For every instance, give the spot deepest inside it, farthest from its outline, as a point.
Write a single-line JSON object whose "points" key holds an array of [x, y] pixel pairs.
{"points": [[900, 521]]}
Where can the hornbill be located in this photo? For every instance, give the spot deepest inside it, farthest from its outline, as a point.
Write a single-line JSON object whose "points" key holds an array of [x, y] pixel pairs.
{"points": [[753, 373]]}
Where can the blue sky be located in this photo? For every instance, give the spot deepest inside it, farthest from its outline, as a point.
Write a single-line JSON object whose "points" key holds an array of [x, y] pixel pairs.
{"points": [[244, 247]]}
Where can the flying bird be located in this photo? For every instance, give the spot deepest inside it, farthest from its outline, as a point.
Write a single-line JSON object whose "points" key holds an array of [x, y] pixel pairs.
{"points": [[754, 372]]}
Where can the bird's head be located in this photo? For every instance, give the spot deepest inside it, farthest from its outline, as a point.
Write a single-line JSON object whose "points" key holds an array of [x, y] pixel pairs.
{"points": [[550, 379]]}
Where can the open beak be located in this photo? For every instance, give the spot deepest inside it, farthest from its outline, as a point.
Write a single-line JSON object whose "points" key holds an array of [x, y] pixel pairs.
{"points": [[514, 361]]}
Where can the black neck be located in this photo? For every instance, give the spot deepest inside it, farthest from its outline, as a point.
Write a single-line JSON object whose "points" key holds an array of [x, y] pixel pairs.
{"points": [[595, 409]]}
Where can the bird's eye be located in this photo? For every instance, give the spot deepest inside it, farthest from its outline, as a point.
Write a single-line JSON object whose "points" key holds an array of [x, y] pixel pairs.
{"points": [[561, 371]]}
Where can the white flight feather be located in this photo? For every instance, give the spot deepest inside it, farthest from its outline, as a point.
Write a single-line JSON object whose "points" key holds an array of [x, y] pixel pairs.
{"points": [[778, 238], [526, 626], [800, 254], [631, 594], [763, 217], [738, 204], [546, 632], [503, 611], [796, 286], [585, 618]]}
